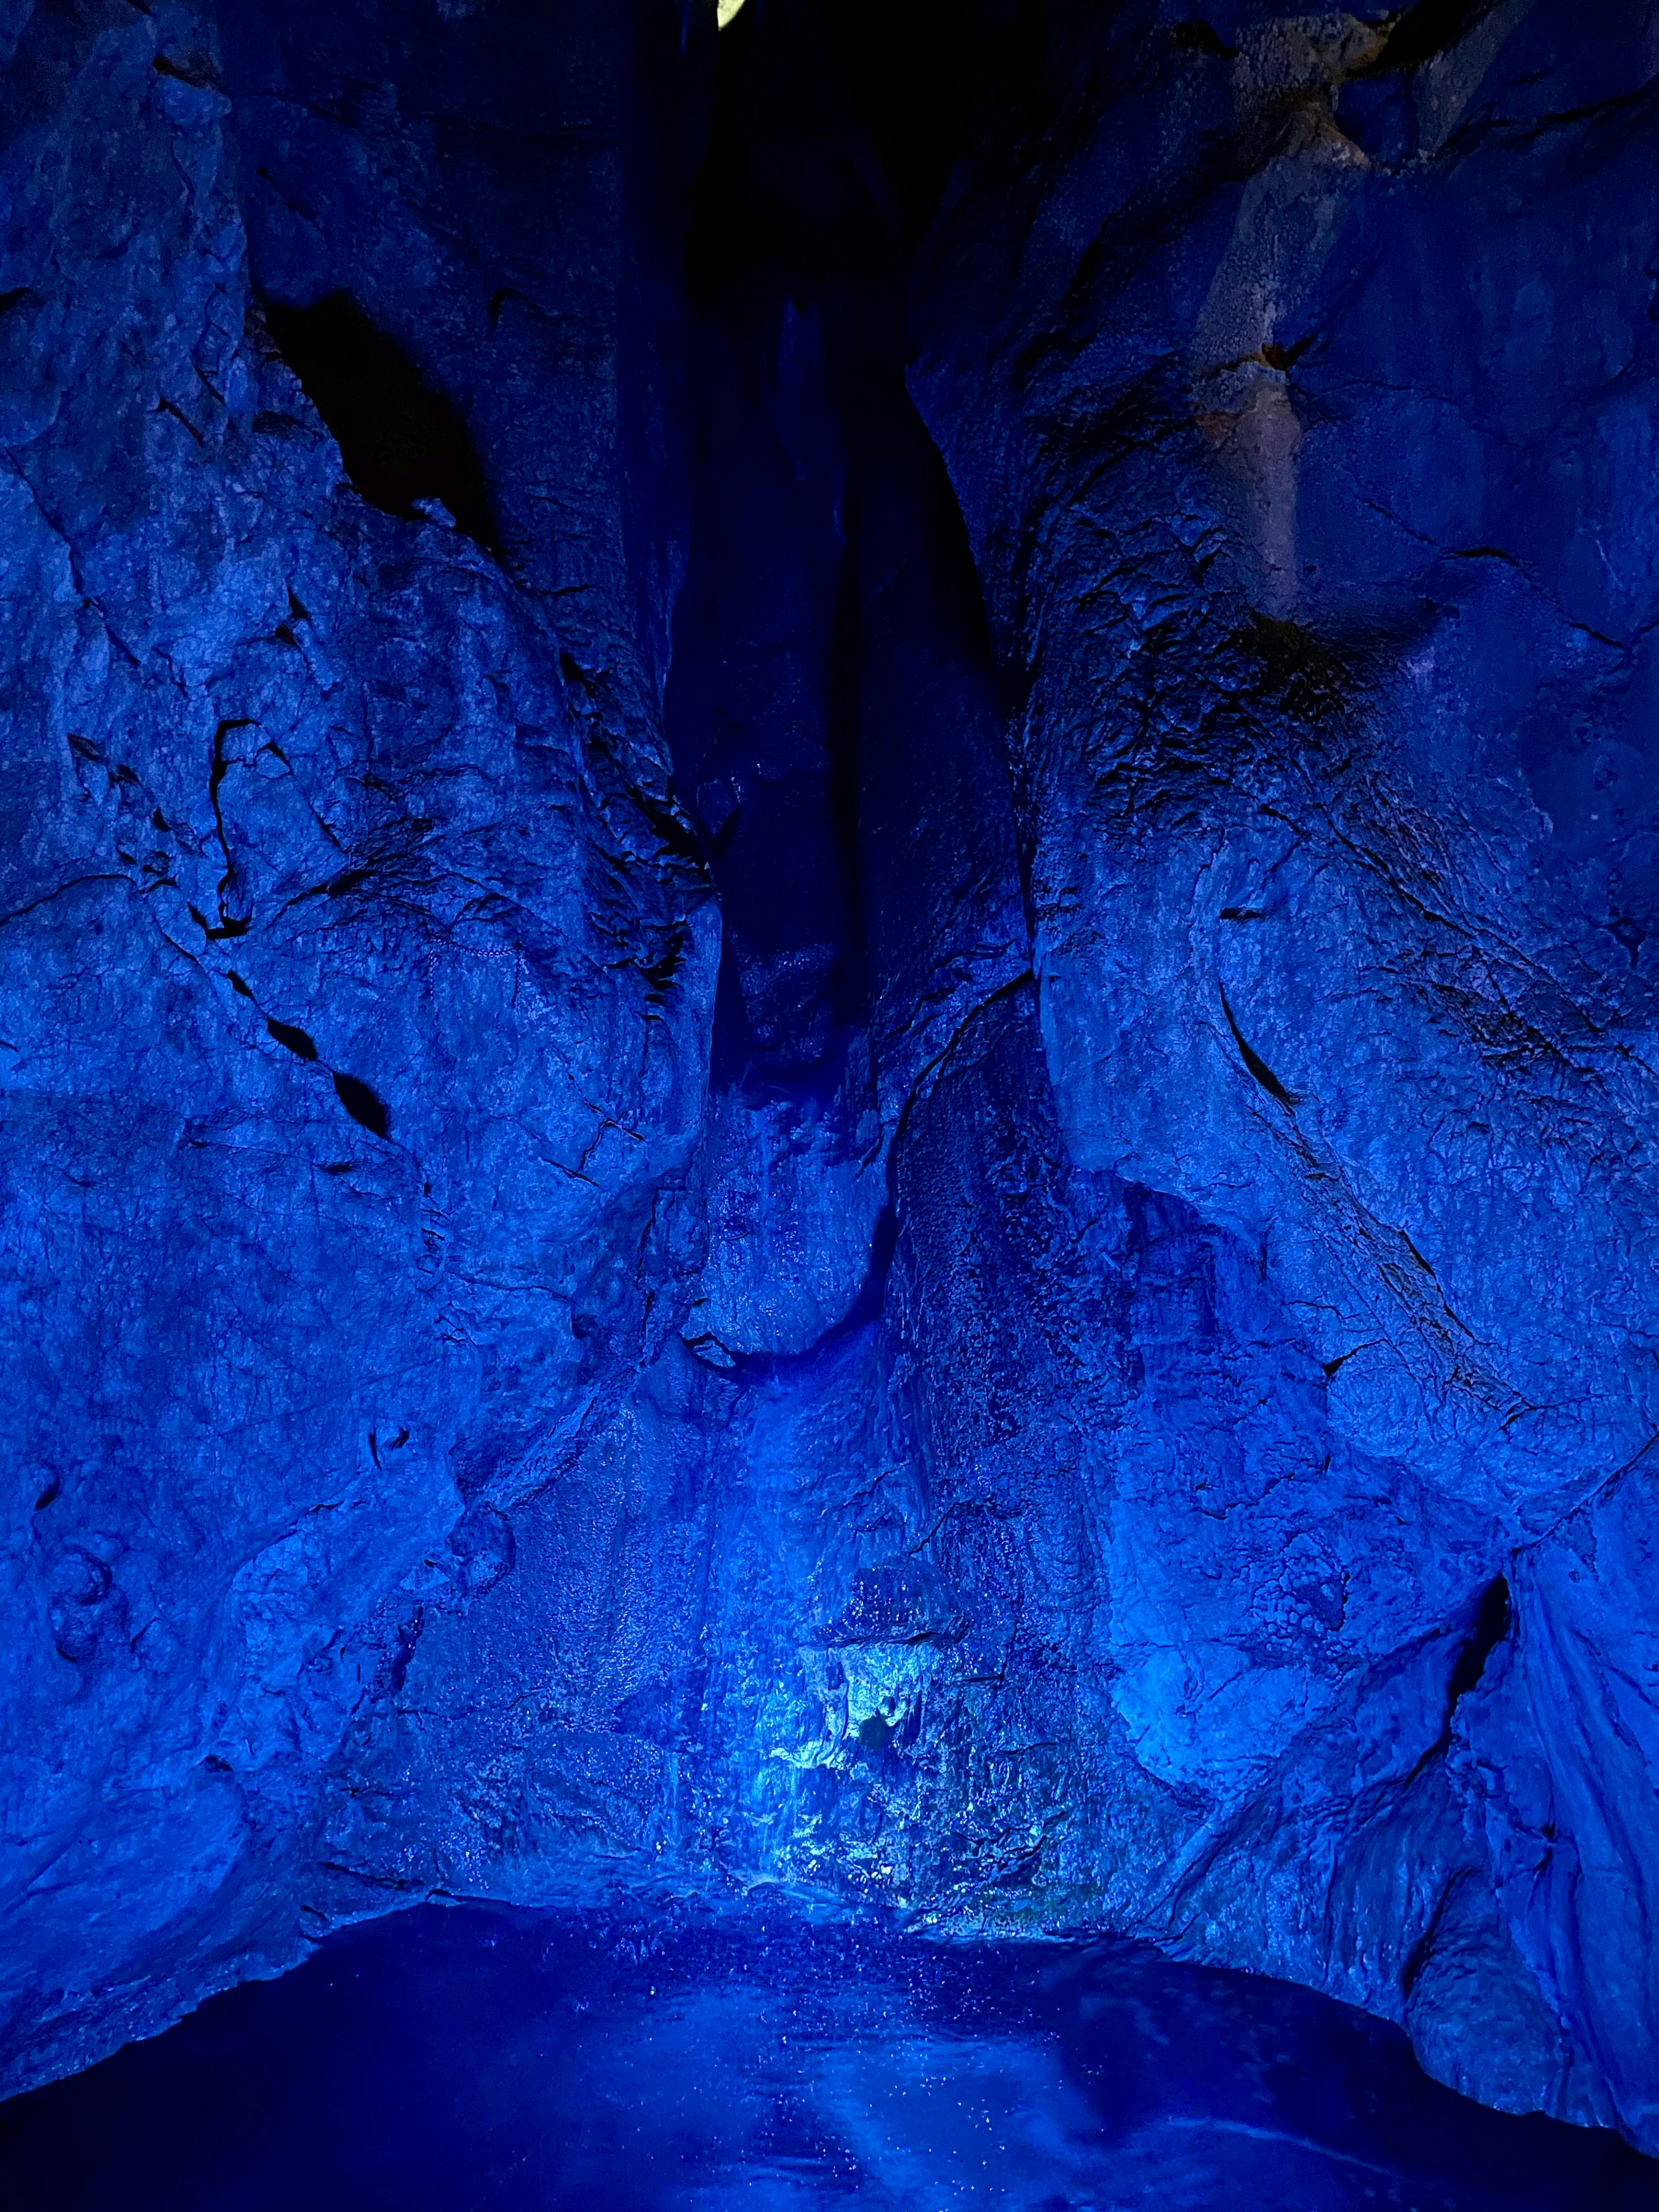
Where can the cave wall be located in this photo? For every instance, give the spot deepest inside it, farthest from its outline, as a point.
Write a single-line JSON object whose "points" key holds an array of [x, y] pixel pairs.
{"points": [[356, 1008], [1311, 483], [863, 1096]]}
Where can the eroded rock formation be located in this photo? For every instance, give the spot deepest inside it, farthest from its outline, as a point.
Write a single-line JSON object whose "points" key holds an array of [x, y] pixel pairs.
{"points": [[829, 1013]]}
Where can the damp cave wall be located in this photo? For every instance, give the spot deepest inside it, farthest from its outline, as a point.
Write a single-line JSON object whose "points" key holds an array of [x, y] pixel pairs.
{"points": [[993, 908]]}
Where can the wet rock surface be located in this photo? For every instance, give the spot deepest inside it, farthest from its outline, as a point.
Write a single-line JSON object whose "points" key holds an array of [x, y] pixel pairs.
{"points": [[827, 998]]}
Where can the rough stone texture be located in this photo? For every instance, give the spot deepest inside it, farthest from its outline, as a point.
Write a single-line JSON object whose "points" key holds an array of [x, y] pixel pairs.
{"points": [[1005, 1268], [1308, 470], [299, 791]]}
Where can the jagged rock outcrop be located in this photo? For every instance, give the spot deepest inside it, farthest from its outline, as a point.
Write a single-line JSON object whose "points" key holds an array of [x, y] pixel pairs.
{"points": [[751, 1143]]}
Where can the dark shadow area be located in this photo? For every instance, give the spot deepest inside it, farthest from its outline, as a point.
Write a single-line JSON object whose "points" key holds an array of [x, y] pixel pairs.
{"points": [[830, 621], [493, 2061], [1430, 28], [1491, 1626], [298, 1041], [400, 442], [364, 1105]]}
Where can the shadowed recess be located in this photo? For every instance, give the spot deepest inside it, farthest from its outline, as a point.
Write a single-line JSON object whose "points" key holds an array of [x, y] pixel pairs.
{"points": [[362, 1104], [1432, 28], [401, 443]]}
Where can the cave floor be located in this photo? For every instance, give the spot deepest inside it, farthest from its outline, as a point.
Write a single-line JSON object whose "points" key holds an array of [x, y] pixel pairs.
{"points": [[482, 2059]]}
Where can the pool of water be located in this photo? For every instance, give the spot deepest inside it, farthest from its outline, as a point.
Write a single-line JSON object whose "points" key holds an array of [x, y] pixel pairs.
{"points": [[484, 2060]]}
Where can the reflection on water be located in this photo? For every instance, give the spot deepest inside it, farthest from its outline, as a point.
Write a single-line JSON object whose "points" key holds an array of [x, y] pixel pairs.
{"points": [[490, 2060]]}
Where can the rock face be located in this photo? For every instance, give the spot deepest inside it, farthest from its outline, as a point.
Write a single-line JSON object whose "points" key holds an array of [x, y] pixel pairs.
{"points": [[828, 1005], [357, 975]]}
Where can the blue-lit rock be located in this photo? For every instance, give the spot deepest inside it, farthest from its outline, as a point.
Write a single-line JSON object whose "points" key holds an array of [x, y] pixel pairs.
{"points": [[303, 797], [1302, 409], [992, 1248]]}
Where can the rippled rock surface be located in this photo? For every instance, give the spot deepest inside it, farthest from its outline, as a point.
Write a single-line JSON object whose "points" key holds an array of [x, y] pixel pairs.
{"points": [[827, 964]]}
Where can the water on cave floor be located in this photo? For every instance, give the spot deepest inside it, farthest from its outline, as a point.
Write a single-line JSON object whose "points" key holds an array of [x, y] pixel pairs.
{"points": [[486, 2060]]}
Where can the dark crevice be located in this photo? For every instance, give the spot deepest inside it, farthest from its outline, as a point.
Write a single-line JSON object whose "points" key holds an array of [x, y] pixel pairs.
{"points": [[192, 70], [668, 824], [1333, 1368], [1200, 38], [660, 972], [1492, 1625], [362, 1104], [296, 1040], [1432, 28], [165, 406], [1493, 1619], [1286, 357], [829, 632], [1300, 671], [232, 925], [407, 1637], [1256, 1065], [401, 442]]}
